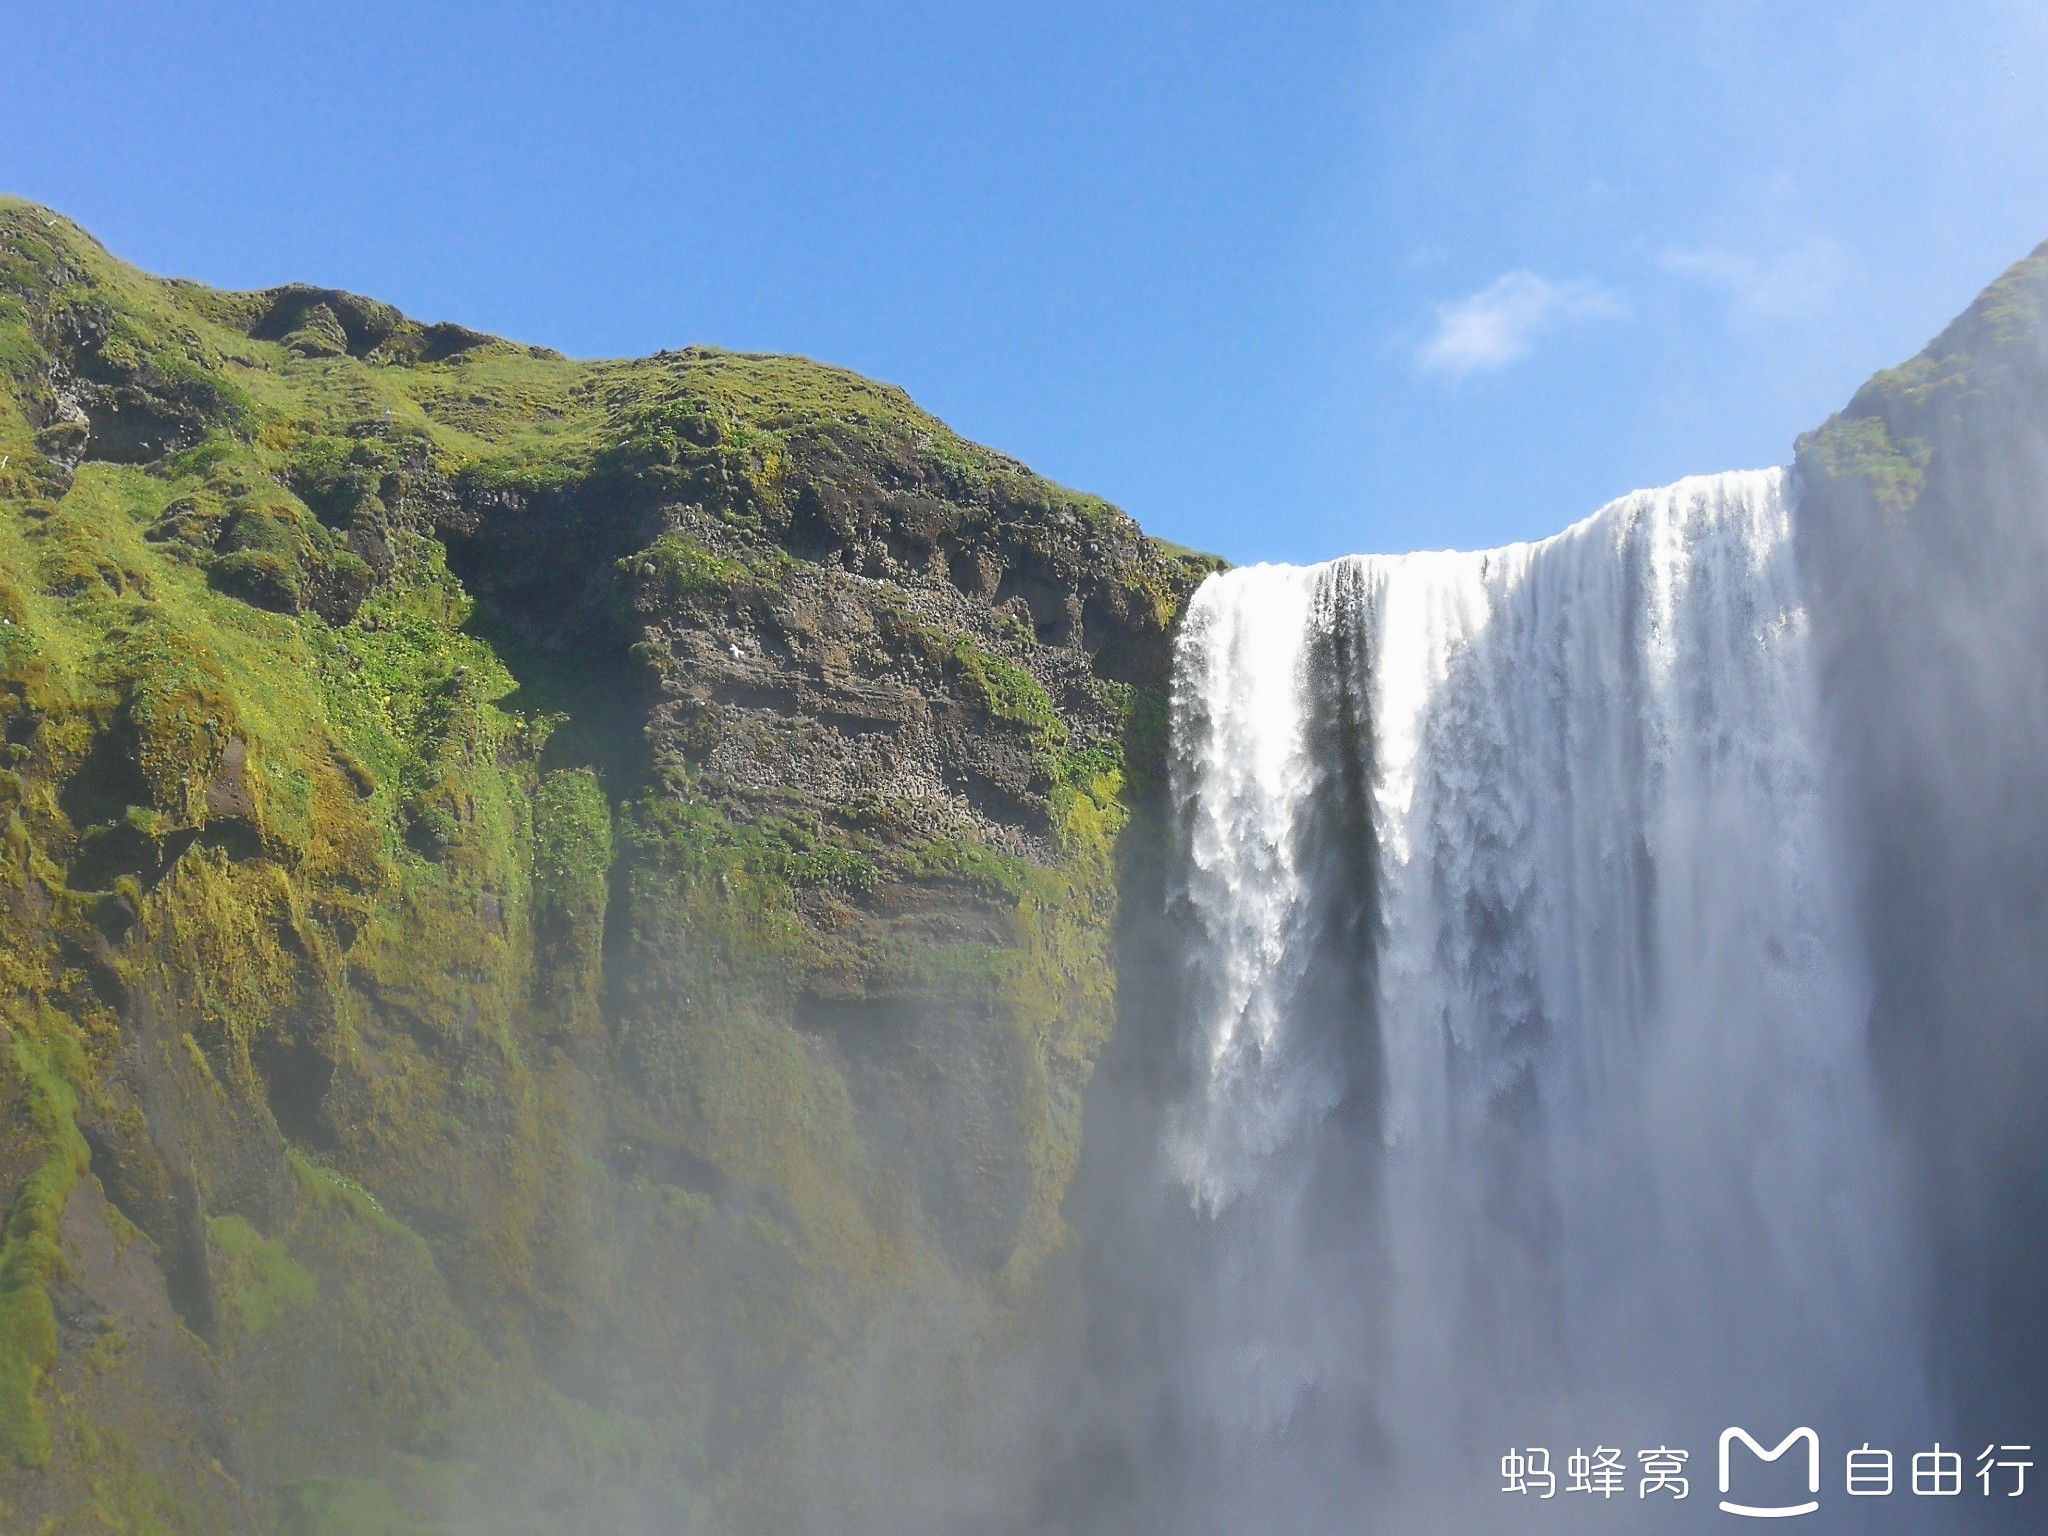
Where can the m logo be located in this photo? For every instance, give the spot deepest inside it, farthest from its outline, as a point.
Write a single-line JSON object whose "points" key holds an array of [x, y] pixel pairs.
{"points": [[1779, 1511]]}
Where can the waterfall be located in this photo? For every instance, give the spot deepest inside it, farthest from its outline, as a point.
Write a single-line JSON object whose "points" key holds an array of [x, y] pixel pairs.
{"points": [[1524, 1096]]}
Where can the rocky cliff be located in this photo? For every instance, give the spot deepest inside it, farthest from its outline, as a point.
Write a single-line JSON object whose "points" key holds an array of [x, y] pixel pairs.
{"points": [[1925, 540], [554, 917]]}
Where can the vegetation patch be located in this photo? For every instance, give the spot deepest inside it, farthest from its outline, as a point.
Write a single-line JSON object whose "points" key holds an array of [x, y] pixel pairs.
{"points": [[261, 1280], [1007, 692], [346, 1506], [45, 1057]]}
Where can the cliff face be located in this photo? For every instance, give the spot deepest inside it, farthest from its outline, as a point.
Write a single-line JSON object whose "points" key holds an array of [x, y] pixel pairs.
{"points": [[554, 916], [1925, 540]]}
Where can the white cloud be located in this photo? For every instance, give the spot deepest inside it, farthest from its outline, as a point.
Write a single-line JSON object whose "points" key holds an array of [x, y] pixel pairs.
{"points": [[1502, 322], [1792, 284]]}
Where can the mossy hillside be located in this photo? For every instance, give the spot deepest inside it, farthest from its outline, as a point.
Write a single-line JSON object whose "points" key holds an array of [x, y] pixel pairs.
{"points": [[1988, 363], [235, 931], [508, 1095]]}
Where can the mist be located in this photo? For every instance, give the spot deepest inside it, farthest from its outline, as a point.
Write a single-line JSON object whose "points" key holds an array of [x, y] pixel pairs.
{"points": [[1925, 540], [1596, 996]]}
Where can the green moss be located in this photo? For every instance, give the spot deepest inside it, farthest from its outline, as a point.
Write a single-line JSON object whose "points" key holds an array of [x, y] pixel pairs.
{"points": [[1861, 448], [346, 1506], [328, 1188], [1059, 986], [959, 858], [45, 1055], [123, 1496], [686, 860], [608, 1444], [1008, 692], [685, 569], [1875, 457], [572, 853], [261, 1280], [572, 863]]}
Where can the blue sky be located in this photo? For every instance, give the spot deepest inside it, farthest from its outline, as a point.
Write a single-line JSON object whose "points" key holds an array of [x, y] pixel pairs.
{"points": [[1284, 281]]}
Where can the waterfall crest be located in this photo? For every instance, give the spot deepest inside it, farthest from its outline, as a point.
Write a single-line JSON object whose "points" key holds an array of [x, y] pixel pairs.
{"points": [[1524, 1095]]}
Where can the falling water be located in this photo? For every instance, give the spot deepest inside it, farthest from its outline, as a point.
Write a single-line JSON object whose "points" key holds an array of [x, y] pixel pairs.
{"points": [[1526, 1098]]}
